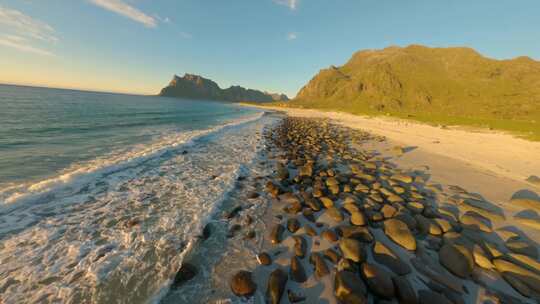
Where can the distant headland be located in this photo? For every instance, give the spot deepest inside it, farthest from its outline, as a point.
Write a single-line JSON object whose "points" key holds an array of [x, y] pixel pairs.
{"points": [[197, 87]]}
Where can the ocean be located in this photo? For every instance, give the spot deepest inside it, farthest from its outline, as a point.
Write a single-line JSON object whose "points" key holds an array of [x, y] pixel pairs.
{"points": [[102, 195]]}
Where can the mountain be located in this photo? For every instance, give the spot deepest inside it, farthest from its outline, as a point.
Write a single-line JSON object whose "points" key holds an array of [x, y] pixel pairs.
{"points": [[428, 82], [197, 87]]}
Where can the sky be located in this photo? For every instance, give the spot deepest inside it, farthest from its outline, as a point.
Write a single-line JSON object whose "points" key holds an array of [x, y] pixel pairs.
{"points": [[136, 46]]}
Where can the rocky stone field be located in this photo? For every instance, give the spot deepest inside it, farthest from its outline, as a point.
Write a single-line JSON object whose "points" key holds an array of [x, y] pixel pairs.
{"points": [[348, 226]]}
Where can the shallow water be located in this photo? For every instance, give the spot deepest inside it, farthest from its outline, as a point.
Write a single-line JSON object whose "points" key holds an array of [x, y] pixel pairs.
{"points": [[112, 224]]}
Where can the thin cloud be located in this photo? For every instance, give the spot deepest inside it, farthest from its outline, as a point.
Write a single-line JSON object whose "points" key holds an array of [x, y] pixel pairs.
{"points": [[21, 23], [126, 10], [291, 4], [19, 43], [292, 36], [21, 32]]}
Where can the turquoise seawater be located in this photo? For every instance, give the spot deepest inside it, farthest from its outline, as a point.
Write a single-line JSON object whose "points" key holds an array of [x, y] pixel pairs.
{"points": [[102, 195], [44, 131]]}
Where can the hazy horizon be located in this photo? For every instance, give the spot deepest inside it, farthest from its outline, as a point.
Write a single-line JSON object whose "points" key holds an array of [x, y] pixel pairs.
{"points": [[135, 47]]}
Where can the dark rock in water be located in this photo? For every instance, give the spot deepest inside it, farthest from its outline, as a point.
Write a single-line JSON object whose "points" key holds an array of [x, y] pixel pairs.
{"points": [[187, 272], [276, 234], [320, 265], [293, 225], [430, 297], [404, 291], [296, 271], [253, 195], [264, 259], [242, 284], [349, 288], [184, 152], [276, 286], [234, 212], [300, 246], [250, 235], [457, 259], [385, 256], [233, 230], [378, 280], [207, 231], [282, 172], [295, 298]]}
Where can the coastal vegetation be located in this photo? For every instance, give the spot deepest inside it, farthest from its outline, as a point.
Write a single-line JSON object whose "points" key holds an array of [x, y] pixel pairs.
{"points": [[444, 86]]}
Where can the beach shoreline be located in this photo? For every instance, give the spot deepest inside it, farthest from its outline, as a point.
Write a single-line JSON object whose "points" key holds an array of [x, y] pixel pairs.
{"points": [[287, 220]]}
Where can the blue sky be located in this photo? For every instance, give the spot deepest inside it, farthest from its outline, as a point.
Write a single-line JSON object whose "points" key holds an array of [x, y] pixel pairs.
{"points": [[276, 45]]}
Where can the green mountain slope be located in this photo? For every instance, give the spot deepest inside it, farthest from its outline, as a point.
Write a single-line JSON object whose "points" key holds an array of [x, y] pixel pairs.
{"points": [[439, 85]]}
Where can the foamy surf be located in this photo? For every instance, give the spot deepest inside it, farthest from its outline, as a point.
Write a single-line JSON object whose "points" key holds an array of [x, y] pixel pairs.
{"points": [[74, 178], [118, 232]]}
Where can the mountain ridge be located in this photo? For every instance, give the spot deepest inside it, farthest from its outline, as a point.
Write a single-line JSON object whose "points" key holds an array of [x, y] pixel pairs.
{"points": [[416, 79], [197, 87]]}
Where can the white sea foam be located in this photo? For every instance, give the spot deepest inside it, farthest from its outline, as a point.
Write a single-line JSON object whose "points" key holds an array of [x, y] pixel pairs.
{"points": [[117, 230], [74, 178]]}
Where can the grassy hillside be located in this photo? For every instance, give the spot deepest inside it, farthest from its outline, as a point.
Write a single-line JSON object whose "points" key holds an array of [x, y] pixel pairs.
{"points": [[450, 86]]}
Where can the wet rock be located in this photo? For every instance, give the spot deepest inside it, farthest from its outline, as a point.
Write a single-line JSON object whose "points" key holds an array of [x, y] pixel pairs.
{"points": [[276, 286], [250, 235], [294, 297], [329, 235], [430, 297], [310, 230], [404, 291], [427, 226], [352, 249], [480, 258], [415, 207], [233, 213], [358, 218], [356, 232], [388, 211], [483, 208], [331, 255], [264, 259], [282, 172], [457, 259], [296, 271], [253, 195], [385, 256], [242, 284], [300, 246], [293, 225], [207, 231], [518, 245], [234, 230], [527, 203], [517, 284], [398, 232], [407, 219], [319, 264], [529, 278], [402, 178], [335, 214], [473, 220], [349, 288], [348, 265], [309, 215], [276, 235], [272, 189], [378, 280], [327, 202], [186, 272]]}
